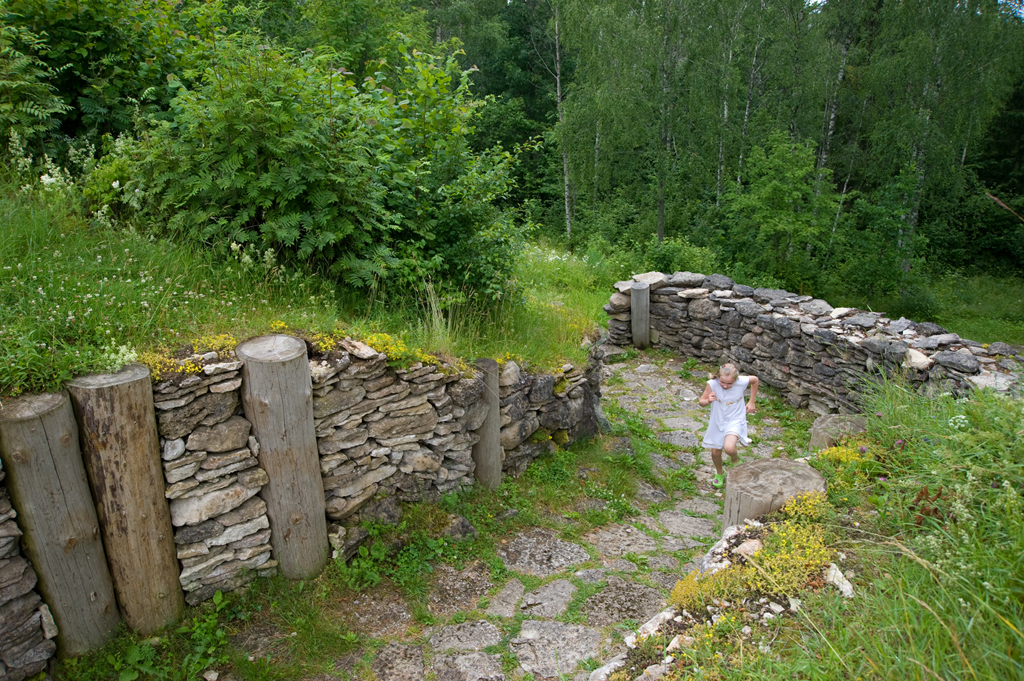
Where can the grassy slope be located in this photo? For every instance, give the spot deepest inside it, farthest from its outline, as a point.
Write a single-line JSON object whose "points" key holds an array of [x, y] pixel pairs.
{"points": [[75, 298]]}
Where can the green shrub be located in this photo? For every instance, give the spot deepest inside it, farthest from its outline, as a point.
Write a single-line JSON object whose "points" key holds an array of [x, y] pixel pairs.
{"points": [[368, 183]]}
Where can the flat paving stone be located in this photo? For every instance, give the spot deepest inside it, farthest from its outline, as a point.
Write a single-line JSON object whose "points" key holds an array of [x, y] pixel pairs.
{"points": [[688, 394], [539, 552], [468, 667], [505, 601], [646, 369], [663, 562], [673, 544], [468, 636], [653, 383], [621, 565], [618, 540], [701, 506], [456, 590], [664, 463], [549, 649], [666, 580], [592, 575], [650, 494], [550, 600], [397, 662], [683, 423], [622, 600], [648, 522], [678, 438], [681, 525]]}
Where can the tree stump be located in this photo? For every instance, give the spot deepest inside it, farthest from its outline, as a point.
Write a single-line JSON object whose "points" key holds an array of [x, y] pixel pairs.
{"points": [[277, 395], [640, 313], [487, 451], [117, 424], [47, 483], [759, 487]]}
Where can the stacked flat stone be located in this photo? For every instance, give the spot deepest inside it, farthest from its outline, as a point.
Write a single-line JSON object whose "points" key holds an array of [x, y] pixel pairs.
{"points": [[387, 431], [563, 404], [817, 355], [212, 478], [27, 629]]}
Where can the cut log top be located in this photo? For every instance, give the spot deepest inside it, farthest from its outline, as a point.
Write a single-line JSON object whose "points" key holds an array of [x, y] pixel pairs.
{"points": [[274, 348], [771, 475], [31, 406], [130, 373]]}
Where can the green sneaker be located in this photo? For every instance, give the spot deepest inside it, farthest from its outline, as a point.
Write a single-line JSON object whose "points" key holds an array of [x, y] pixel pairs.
{"points": [[718, 482]]}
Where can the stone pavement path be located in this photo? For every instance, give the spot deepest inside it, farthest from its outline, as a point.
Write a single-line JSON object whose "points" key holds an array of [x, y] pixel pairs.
{"points": [[583, 596]]}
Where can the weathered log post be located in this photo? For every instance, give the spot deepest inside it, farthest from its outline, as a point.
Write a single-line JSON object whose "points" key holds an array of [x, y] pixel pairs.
{"points": [[277, 395], [47, 483], [759, 487], [117, 425], [640, 313], [487, 451]]}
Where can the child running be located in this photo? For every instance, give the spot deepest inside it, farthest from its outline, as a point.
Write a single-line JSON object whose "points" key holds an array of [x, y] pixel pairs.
{"points": [[728, 424]]}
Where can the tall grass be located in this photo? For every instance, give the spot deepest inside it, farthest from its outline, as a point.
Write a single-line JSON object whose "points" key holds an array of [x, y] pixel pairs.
{"points": [[984, 308], [75, 297]]}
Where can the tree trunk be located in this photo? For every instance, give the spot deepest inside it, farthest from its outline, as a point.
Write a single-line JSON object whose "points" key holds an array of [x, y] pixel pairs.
{"points": [[47, 482], [561, 121], [117, 423], [277, 396]]}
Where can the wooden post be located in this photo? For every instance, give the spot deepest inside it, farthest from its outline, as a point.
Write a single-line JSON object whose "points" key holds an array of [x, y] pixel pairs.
{"points": [[47, 483], [277, 395], [487, 451], [759, 487], [640, 313], [117, 423]]}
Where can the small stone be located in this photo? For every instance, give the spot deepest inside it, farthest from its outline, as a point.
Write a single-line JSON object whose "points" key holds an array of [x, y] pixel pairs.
{"points": [[222, 437], [226, 386], [46, 619], [221, 368], [917, 360], [195, 510], [180, 473], [173, 449], [253, 478], [776, 608], [251, 509], [693, 293], [459, 528]]}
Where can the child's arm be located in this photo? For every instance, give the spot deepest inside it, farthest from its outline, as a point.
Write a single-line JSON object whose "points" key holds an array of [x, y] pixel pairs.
{"points": [[751, 406], [708, 397]]}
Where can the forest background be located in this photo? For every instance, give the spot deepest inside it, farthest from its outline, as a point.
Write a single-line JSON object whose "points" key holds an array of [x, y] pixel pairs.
{"points": [[867, 152]]}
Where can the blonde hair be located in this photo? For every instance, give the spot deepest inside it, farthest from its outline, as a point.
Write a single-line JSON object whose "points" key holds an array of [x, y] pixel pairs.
{"points": [[724, 371]]}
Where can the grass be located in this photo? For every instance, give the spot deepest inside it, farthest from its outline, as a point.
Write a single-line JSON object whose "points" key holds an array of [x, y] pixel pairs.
{"points": [[984, 308], [928, 517], [78, 297]]}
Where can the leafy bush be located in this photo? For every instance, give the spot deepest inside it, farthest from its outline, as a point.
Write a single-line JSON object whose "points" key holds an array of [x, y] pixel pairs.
{"points": [[29, 103], [282, 150]]}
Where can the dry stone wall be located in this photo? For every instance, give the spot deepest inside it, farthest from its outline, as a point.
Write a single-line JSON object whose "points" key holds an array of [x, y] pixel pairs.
{"points": [[212, 478], [27, 628], [816, 355], [381, 432], [563, 404]]}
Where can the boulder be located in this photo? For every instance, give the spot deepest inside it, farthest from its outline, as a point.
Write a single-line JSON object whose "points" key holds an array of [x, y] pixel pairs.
{"points": [[830, 428]]}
